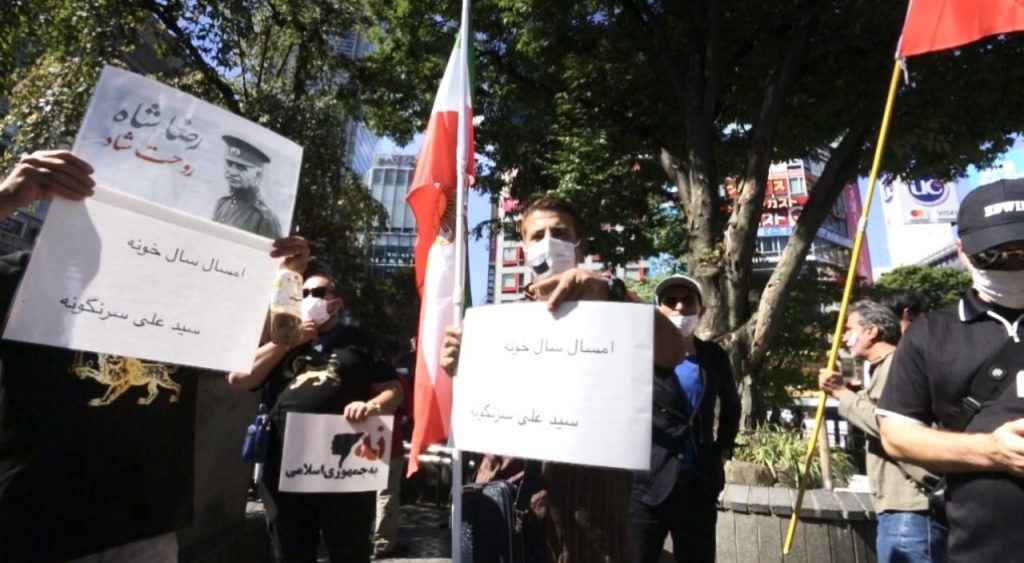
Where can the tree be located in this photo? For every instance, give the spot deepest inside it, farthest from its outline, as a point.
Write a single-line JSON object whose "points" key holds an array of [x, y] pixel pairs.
{"points": [[609, 102], [940, 285], [274, 63]]}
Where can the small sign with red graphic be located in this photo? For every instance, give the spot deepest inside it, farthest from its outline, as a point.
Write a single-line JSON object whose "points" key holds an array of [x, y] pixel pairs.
{"points": [[324, 453]]}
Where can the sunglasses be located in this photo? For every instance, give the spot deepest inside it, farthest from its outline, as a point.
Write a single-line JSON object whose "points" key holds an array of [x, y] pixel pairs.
{"points": [[318, 292], [686, 300], [995, 259]]}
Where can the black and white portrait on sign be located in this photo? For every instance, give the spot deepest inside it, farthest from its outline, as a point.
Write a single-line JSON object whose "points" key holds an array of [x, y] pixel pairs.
{"points": [[168, 147]]}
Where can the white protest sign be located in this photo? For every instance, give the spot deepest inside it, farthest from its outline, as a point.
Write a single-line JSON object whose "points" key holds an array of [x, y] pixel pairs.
{"points": [[140, 269], [574, 386], [165, 146], [324, 453], [117, 275]]}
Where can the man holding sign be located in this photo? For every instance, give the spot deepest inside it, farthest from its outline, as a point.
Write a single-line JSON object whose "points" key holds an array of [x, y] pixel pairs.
{"points": [[96, 450], [336, 369], [581, 511]]}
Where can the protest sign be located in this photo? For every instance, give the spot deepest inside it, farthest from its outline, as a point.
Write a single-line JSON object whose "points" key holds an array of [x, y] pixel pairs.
{"points": [[165, 146], [324, 453], [140, 269], [574, 386]]}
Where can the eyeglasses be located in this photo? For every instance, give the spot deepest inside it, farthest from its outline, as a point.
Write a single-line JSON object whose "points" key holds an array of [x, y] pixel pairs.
{"points": [[686, 300], [996, 259], [318, 292]]}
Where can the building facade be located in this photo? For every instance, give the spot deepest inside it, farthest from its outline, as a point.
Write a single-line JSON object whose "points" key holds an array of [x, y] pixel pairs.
{"points": [[389, 180], [788, 189]]}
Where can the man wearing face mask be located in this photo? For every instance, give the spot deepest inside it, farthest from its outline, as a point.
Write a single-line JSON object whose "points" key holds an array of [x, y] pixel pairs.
{"points": [[579, 514], [678, 495], [962, 368], [906, 531], [356, 382]]}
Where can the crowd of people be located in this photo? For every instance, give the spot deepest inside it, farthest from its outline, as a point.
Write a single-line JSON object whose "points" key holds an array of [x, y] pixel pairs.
{"points": [[943, 410]]}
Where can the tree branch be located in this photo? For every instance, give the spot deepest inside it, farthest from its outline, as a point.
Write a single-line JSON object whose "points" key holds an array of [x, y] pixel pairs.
{"points": [[741, 231], [188, 51]]}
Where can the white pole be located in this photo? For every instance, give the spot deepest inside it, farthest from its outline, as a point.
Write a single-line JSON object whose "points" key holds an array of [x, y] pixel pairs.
{"points": [[461, 157]]}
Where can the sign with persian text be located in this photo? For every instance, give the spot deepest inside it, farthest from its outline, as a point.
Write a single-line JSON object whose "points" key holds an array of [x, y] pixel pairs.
{"points": [[574, 386]]}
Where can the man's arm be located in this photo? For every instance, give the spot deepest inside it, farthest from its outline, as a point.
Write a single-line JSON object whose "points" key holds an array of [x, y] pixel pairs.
{"points": [[856, 408], [387, 396], [294, 254], [955, 452], [267, 358]]}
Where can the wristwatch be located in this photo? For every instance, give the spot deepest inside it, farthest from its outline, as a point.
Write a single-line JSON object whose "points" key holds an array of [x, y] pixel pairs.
{"points": [[616, 289], [374, 404]]}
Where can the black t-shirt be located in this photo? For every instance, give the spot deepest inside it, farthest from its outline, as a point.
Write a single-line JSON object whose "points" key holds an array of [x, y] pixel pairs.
{"points": [[95, 450], [930, 375], [321, 378]]}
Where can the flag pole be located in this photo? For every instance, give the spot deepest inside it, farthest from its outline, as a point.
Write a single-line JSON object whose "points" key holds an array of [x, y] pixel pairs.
{"points": [[851, 275], [459, 290]]}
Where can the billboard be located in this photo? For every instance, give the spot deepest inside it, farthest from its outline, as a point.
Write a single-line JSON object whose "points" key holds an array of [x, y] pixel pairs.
{"points": [[925, 201]]}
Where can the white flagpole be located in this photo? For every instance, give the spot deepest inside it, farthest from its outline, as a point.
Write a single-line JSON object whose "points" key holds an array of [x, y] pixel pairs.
{"points": [[461, 157]]}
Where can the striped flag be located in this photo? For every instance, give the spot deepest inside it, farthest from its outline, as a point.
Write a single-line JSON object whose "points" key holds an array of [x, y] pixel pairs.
{"points": [[933, 25], [432, 199]]}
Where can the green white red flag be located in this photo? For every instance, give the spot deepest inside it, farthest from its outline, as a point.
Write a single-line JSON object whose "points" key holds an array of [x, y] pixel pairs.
{"points": [[934, 25], [432, 198]]}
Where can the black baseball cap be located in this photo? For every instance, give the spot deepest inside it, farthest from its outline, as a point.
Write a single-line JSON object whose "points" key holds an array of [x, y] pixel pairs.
{"points": [[991, 215]]}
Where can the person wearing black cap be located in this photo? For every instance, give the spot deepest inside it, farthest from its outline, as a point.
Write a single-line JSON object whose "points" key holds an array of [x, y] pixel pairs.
{"points": [[954, 401], [679, 494], [243, 207]]}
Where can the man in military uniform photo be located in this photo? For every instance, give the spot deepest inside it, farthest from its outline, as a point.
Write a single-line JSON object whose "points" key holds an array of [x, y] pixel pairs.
{"points": [[243, 207]]}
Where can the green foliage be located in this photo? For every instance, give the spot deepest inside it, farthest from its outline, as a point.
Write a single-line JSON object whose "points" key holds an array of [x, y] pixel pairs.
{"points": [[801, 345], [940, 285], [780, 449]]}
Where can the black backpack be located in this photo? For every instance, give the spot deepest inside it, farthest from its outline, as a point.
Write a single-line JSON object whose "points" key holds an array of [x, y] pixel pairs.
{"points": [[492, 530]]}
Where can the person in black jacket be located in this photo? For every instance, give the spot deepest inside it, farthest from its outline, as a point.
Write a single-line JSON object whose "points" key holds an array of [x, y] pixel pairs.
{"points": [[678, 494]]}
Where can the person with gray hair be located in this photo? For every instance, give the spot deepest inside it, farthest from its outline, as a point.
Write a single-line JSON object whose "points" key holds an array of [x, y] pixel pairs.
{"points": [[906, 530]]}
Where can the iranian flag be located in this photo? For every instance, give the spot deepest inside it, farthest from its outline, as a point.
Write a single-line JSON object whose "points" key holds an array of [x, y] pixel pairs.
{"points": [[433, 201], [933, 25]]}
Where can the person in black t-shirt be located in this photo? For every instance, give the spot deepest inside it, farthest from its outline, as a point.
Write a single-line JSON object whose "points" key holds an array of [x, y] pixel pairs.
{"points": [[358, 383], [932, 374], [89, 467]]}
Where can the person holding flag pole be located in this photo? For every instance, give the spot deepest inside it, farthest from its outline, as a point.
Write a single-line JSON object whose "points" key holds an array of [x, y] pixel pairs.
{"points": [[444, 169], [930, 25]]}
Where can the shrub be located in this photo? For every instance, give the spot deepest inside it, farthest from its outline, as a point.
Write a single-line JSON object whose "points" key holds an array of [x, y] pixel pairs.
{"points": [[782, 451]]}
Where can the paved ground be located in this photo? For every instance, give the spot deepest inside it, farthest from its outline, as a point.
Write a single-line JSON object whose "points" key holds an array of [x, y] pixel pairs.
{"points": [[424, 528]]}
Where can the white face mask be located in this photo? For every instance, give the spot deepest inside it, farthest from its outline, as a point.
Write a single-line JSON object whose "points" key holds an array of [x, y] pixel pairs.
{"points": [[550, 257], [315, 309], [685, 323], [1005, 288]]}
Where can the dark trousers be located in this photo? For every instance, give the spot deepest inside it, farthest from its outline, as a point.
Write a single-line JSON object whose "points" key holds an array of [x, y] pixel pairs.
{"points": [[689, 514], [344, 519]]}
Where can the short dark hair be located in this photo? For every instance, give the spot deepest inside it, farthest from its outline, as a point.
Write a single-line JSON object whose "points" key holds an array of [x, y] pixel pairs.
{"points": [[330, 281], [872, 313], [556, 204], [905, 300]]}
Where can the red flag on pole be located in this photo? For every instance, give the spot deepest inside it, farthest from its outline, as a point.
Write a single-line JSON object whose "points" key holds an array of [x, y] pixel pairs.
{"points": [[432, 199], [933, 25]]}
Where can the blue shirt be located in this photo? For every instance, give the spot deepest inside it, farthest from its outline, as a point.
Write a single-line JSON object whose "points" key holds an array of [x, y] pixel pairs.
{"points": [[688, 375]]}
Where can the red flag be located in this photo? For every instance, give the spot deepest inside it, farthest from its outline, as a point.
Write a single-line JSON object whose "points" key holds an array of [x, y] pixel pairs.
{"points": [[432, 199], [933, 25]]}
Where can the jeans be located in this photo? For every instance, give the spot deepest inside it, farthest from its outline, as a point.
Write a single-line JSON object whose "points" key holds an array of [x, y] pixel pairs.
{"points": [[910, 537]]}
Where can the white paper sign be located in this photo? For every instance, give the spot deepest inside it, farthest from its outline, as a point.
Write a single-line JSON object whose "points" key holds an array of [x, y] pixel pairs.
{"points": [[168, 147], [572, 387], [324, 453], [117, 275]]}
